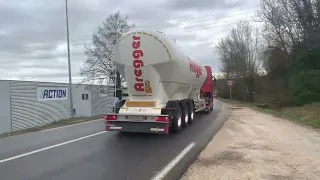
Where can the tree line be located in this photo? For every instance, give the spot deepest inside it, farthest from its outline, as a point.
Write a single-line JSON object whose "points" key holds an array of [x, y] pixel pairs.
{"points": [[279, 63]]}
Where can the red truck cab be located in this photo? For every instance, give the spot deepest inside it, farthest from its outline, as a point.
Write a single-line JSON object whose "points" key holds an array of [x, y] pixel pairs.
{"points": [[207, 89]]}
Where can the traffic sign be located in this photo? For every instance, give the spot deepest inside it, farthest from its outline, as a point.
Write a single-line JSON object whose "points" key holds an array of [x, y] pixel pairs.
{"points": [[230, 83]]}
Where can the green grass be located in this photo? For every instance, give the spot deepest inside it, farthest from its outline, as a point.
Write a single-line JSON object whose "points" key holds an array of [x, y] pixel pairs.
{"points": [[60, 123], [308, 115]]}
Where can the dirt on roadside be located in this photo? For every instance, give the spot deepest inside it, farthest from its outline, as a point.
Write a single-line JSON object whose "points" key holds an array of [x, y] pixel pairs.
{"points": [[252, 145]]}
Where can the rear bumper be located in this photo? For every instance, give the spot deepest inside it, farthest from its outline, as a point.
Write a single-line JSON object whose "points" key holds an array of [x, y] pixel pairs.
{"points": [[143, 127]]}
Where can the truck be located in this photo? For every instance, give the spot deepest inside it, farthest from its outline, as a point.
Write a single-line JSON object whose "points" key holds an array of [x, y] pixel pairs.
{"points": [[165, 86]]}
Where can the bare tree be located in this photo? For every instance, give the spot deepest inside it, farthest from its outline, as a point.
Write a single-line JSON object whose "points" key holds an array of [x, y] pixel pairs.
{"points": [[239, 51], [239, 57], [293, 26], [98, 66], [290, 22]]}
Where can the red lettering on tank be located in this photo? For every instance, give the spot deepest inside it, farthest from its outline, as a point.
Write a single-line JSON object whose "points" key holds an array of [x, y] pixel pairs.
{"points": [[139, 80], [139, 86], [195, 68], [137, 63], [137, 54], [137, 72], [136, 44]]}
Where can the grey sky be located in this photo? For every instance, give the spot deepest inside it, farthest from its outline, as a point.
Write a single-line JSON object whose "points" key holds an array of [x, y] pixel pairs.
{"points": [[33, 35]]}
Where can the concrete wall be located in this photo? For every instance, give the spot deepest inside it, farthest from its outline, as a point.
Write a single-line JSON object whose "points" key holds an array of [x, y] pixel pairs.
{"points": [[5, 115]]}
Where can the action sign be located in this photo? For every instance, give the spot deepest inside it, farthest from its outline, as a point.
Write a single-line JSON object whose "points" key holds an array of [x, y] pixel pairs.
{"points": [[52, 93], [230, 83]]}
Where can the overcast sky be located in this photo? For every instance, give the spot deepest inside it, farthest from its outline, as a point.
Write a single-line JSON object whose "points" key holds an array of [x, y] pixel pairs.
{"points": [[33, 34]]}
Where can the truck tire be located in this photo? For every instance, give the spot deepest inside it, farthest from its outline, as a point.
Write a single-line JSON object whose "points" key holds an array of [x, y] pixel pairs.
{"points": [[185, 113], [177, 120], [191, 112], [209, 108]]}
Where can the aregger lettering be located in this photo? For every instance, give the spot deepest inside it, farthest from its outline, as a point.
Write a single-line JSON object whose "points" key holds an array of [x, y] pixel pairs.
{"points": [[195, 68], [137, 54]]}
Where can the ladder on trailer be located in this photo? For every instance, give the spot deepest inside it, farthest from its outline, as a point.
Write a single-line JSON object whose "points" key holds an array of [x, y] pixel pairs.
{"points": [[112, 85], [112, 89]]}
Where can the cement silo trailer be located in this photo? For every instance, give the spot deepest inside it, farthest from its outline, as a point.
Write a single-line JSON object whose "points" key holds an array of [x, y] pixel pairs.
{"points": [[166, 87]]}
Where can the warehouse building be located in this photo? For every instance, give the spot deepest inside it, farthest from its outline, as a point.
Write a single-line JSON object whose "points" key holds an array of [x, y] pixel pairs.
{"points": [[26, 104]]}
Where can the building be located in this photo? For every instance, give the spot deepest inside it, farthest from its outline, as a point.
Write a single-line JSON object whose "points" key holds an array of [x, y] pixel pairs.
{"points": [[26, 104]]}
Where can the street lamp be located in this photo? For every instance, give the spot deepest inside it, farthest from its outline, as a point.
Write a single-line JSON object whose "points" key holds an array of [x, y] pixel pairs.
{"points": [[69, 63]]}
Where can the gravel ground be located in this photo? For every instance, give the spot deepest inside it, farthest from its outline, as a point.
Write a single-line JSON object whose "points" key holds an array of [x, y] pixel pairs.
{"points": [[252, 145]]}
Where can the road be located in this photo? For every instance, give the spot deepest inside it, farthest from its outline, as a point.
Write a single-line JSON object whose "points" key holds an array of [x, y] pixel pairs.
{"points": [[85, 152]]}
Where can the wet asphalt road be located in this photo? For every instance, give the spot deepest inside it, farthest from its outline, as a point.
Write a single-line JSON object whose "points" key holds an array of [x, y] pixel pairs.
{"points": [[105, 156]]}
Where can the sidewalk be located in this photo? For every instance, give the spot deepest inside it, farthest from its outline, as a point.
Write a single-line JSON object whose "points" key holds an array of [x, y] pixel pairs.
{"points": [[253, 145]]}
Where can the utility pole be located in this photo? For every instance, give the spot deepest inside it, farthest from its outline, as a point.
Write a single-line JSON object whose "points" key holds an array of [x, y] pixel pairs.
{"points": [[69, 63]]}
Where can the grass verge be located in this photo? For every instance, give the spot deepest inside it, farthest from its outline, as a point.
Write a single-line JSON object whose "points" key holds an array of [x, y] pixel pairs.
{"points": [[307, 115], [55, 124]]}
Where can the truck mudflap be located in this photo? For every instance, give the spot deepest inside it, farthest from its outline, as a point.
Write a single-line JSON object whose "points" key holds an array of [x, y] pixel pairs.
{"points": [[143, 127]]}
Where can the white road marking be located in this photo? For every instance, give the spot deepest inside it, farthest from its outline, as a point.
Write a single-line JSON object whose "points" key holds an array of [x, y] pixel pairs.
{"points": [[174, 162], [70, 125], [50, 147]]}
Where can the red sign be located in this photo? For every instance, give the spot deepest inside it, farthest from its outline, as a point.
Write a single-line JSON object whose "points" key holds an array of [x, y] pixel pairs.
{"points": [[137, 54], [230, 83], [194, 67]]}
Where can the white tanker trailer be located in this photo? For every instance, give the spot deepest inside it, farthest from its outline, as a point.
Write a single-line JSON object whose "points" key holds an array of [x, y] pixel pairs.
{"points": [[165, 86]]}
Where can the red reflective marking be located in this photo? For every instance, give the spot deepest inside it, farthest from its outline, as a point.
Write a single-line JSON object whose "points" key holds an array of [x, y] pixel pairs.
{"points": [[162, 119]]}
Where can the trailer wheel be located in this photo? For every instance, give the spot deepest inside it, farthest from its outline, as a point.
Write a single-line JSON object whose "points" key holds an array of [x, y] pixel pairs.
{"points": [[185, 113], [191, 112], [176, 122]]}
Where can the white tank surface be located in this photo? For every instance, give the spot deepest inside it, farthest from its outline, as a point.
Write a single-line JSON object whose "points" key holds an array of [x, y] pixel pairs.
{"points": [[155, 68]]}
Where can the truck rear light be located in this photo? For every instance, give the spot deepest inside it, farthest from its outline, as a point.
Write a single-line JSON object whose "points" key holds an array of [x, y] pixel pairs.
{"points": [[162, 119], [110, 117]]}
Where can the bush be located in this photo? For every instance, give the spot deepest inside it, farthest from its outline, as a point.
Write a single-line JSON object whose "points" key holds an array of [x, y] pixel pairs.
{"points": [[306, 87]]}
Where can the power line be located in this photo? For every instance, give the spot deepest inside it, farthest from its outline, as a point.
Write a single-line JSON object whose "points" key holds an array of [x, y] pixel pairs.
{"points": [[204, 20], [186, 19], [200, 27], [204, 36], [177, 26], [209, 27]]}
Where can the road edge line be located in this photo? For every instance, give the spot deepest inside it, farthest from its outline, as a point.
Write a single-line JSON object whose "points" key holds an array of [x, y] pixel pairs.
{"points": [[173, 163]]}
